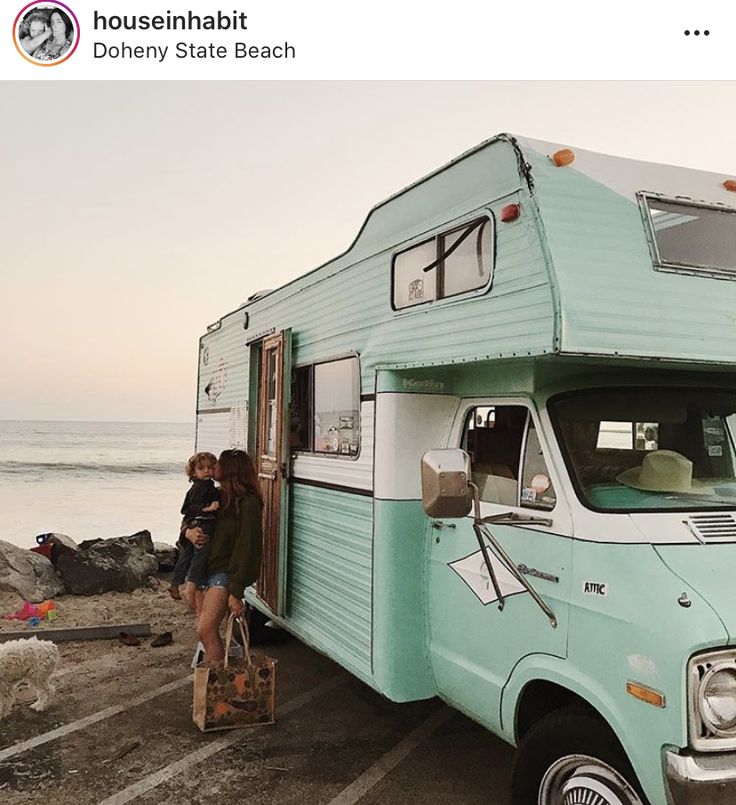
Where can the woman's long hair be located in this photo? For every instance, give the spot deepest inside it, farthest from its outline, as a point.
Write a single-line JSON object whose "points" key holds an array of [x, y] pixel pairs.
{"points": [[238, 477], [68, 27]]}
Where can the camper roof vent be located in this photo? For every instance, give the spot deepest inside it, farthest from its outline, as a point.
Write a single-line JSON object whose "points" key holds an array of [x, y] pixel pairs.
{"points": [[714, 527], [259, 294]]}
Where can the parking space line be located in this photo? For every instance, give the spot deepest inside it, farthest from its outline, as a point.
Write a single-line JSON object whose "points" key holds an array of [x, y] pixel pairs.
{"points": [[80, 724], [185, 763], [392, 758]]}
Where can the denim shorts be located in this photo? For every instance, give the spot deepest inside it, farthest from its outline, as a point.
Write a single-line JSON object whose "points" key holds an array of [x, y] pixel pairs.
{"points": [[216, 580]]}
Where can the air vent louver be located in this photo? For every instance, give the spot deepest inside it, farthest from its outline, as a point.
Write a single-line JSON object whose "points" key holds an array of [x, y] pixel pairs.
{"points": [[714, 527]]}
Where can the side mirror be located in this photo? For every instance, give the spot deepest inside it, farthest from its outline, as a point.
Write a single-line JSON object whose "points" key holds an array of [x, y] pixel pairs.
{"points": [[445, 477]]}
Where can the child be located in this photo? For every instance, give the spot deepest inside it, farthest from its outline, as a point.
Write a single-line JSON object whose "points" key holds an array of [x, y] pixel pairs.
{"points": [[38, 32], [199, 507]]}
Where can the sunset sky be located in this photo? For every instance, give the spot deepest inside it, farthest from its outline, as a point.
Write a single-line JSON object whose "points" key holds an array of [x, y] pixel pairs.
{"points": [[135, 214]]}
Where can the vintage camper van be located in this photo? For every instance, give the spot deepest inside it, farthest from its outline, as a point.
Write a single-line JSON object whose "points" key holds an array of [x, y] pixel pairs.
{"points": [[496, 438]]}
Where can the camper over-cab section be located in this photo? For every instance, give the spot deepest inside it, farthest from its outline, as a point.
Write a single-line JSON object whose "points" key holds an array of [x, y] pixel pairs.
{"points": [[504, 253]]}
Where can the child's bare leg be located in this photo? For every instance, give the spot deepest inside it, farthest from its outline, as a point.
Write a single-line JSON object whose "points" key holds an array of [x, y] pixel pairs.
{"points": [[173, 591]]}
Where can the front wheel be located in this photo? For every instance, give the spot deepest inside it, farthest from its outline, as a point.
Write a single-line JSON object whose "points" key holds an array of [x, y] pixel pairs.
{"points": [[571, 757]]}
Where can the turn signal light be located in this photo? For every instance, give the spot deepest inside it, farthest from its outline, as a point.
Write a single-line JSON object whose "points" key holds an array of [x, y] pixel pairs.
{"points": [[510, 213], [730, 184], [563, 157], [648, 695]]}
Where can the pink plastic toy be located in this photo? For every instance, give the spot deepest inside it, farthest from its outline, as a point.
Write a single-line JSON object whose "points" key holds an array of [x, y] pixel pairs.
{"points": [[27, 611]]}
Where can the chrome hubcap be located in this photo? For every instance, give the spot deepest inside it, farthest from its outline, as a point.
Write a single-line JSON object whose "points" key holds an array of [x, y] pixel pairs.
{"points": [[583, 780]]}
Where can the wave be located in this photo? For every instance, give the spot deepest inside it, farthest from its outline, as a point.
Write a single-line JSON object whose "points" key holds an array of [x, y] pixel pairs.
{"points": [[53, 467]]}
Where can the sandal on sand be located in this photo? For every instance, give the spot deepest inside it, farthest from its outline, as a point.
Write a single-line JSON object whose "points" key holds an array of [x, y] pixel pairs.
{"points": [[173, 591], [162, 640], [128, 639]]}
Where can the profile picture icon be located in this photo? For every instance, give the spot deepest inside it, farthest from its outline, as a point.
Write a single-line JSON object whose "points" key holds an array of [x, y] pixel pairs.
{"points": [[46, 33]]}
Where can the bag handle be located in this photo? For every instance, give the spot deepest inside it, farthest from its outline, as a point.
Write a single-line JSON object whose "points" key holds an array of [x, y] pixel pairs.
{"points": [[243, 633]]}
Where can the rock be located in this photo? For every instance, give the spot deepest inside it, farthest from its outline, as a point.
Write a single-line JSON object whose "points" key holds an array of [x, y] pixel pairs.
{"points": [[122, 564], [61, 539], [166, 555], [29, 574], [86, 544], [142, 539]]}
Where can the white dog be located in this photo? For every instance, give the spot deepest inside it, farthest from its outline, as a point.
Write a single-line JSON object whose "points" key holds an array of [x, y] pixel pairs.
{"points": [[28, 660]]}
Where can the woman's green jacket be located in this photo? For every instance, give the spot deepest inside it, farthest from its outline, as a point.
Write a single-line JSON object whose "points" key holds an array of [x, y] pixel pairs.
{"points": [[237, 544]]}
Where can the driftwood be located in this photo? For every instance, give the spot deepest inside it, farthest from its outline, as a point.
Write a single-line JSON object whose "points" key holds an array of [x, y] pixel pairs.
{"points": [[106, 632]]}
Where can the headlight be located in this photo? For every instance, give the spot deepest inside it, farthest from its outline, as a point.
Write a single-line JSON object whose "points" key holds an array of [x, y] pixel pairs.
{"points": [[712, 701], [718, 699]]}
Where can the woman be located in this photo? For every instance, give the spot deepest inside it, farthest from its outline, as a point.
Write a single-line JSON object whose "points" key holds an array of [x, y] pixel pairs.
{"points": [[235, 549], [62, 35]]}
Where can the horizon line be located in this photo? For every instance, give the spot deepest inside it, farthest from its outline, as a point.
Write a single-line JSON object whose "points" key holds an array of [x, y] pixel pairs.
{"points": [[113, 421]]}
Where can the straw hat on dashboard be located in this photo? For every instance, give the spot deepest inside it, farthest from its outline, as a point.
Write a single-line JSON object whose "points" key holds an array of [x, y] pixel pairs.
{"points": [[663, 471]]}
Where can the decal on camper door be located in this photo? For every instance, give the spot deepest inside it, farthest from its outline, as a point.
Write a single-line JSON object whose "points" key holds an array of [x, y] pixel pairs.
{"points": [[473, 571]]}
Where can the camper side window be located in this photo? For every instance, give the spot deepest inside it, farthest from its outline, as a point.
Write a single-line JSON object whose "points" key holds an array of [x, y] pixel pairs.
{"points": [[495, 436], [692, 237], [453, 262], [325, 407]]}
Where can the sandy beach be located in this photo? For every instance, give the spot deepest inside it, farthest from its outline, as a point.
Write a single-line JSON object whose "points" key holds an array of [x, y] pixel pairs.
{"points": [[83, 663], [154, 606]]}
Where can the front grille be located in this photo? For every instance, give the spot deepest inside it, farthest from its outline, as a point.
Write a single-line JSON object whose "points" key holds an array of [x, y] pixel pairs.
{"points": [[714, 527]]}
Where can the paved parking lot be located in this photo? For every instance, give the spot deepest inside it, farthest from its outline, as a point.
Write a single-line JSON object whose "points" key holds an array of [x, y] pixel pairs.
{"points": [[336, 742]]}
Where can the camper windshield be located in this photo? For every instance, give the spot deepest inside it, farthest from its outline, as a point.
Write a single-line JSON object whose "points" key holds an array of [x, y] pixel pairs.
{"points": [[649, 449]]}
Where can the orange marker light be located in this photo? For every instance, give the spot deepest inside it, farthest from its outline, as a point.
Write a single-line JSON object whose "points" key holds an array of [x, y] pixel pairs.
{"points": [[730, 184], [563, 157], [510, 213], [648, 695]]}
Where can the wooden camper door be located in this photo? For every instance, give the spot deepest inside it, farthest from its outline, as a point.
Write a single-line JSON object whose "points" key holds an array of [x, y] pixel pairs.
{"points": [[272, 463]]}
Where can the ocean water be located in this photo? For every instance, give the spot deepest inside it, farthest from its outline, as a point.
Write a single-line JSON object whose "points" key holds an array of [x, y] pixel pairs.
{"points": [[92, 479]]}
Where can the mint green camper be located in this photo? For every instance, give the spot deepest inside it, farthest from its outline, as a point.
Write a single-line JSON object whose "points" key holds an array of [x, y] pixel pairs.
{"points": [[496, 440]]}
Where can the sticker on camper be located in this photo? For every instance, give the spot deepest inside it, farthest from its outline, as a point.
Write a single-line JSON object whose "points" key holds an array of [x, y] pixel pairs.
{"points": [[473, 571], [596, 588], [540, 483], [528, 495], [217, 381], [239, 425], [416, 290], [715, 450]]}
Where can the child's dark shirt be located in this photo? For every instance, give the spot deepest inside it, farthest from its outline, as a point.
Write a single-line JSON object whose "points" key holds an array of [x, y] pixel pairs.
{"points": [[199, 496]]}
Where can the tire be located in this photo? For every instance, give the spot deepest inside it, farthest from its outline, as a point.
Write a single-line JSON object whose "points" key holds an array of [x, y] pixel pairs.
{"points": [[571, 756]]}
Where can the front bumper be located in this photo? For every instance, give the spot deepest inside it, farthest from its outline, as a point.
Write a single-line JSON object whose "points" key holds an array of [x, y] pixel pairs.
{"points": [[701, 779]]}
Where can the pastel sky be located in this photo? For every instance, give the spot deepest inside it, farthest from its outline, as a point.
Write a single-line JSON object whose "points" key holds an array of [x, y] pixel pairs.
{"points": [[135, 214]]}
